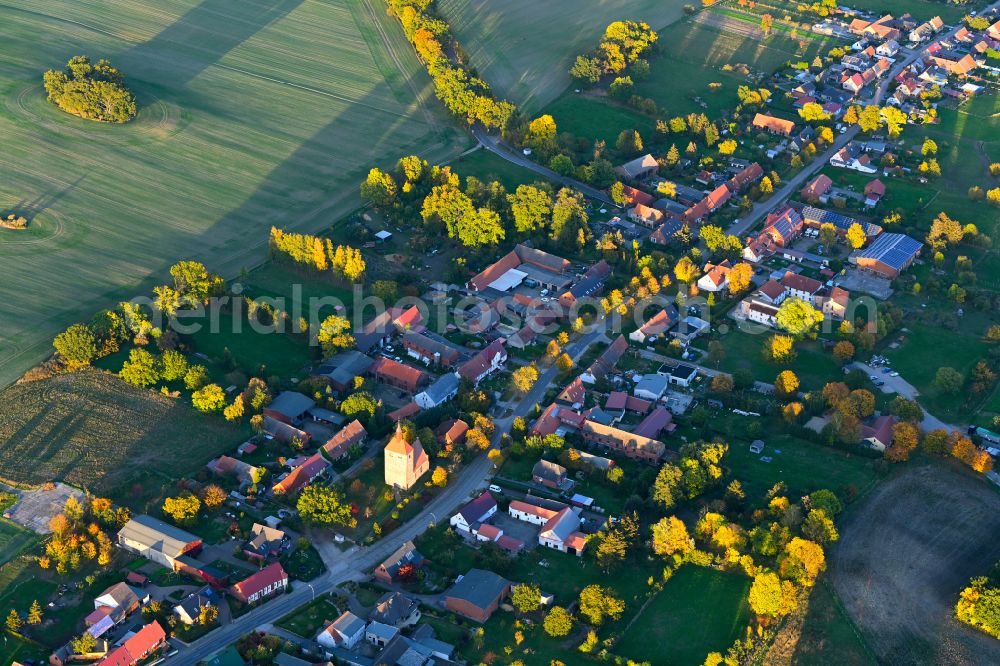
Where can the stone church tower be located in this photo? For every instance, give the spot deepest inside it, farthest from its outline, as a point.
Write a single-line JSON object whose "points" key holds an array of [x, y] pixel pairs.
{"points": [[405, 463]]}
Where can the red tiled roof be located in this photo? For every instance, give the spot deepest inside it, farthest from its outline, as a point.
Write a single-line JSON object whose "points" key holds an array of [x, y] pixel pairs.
{"points": [[387, 368], [479, 363], [256, 582], [495, 270], [658, 420], [634, 196], [819, 186], [302, 475], [487, 531], [133, 650], [772, 289], [349, 435], [801, 283], [876, 186], [772, 124], [404, 412], [533, 509], [573, 393]]}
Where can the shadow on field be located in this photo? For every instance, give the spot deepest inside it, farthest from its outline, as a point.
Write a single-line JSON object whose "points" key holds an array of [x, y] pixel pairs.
{"points": [[46, 200], [206, 33]]}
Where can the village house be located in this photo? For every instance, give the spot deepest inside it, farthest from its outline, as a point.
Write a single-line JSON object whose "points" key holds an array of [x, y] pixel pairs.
{"points": [[477, 594], [874, 191], [188, 610], [550, 475], [485, 363], [265, 543], [630, 444], [644, 215], [430, 351], [562, 532], [398, 375], [346, 631], [773, 125], [137, 647], [801, 287], [396, 610], [817, 188], [380, 634], [113, 606], [443, 389], [257, 587], [451, 432], [405, 462], [406, 558], [656, 326], [877, 433], [606, 362], [715, 277], [573, 394], [656, 422], [350, 435], [815, 218], [308, 471], [477, 511], [853, 157]]}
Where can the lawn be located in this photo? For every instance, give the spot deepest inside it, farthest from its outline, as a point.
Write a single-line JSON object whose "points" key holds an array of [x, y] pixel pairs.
{"points": [[487, 166], [308, 620], [258, 351], [525, 48], [95, 431], [13, 540], [921, 354], [593, 118], [699, 611], [802, 465], [211, 162], [812, 365]]}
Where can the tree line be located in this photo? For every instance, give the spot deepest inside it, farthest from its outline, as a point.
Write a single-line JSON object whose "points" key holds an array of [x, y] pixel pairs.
{"points": [[319, 254], [94, 91], [464, 94]]}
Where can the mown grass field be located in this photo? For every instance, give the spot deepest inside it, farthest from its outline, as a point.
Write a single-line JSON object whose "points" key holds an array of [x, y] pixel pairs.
{"points": [[525, 48], [92, 430], [672, 628], [13, 539], [253, 114]]}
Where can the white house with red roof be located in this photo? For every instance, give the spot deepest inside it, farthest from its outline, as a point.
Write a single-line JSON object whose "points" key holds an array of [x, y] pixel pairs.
{"points": [[485, 363], [267, 582]]}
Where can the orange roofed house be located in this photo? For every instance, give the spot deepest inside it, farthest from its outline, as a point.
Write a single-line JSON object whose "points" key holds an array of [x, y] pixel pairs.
{"points": [[405, 463], [773, 125]]}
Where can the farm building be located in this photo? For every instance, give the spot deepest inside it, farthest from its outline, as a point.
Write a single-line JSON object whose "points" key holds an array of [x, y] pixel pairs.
{"points": [[888, 256], [157, 541]]}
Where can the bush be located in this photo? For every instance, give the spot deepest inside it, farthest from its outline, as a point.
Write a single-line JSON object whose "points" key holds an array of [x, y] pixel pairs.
{"points": [[92, 91]]}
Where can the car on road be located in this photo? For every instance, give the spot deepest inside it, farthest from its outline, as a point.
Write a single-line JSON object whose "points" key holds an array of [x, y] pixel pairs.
{"points": [[886, 371], [874, 378], [880, 383], [894, 374], [494, 488]]}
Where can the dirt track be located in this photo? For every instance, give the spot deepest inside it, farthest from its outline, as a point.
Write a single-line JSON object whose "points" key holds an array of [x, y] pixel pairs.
{"points": [[904, 555]]}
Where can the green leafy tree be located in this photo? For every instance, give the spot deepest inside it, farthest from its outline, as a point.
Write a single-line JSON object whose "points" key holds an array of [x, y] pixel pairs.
{"points": [[558, 622], [195, 282], [334, 335], [797, 317], [379, 188], [526, 597], [670, 537], [324, 506], [359, 405], [182, 509], [531, 208], [598, 603], [209, 398], [173, 365], [92, 91], [140, 369], [77, 345], [772, 597]]}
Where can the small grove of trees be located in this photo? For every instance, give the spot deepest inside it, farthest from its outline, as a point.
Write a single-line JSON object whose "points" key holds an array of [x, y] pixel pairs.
{"points": [[95, 91], [979, 603], [622, 46], [318, 254]]}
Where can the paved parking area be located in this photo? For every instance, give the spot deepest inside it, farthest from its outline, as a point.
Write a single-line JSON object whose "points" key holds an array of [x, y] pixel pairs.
{"points": [[517, 529], [892, 384], [866, 283], [37, 507]]}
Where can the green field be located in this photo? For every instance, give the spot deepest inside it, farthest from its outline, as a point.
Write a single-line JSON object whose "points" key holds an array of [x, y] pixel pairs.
{"points": [[828, 635], [95, 431], [593, 118], [487, 166], [525, 48], [212, 160], [13, 539], [674, 627], [692, 56], [812, 365]]}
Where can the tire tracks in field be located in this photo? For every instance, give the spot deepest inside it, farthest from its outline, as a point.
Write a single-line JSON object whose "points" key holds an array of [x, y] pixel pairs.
{"points": [[246, 72], [391, 51]]}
